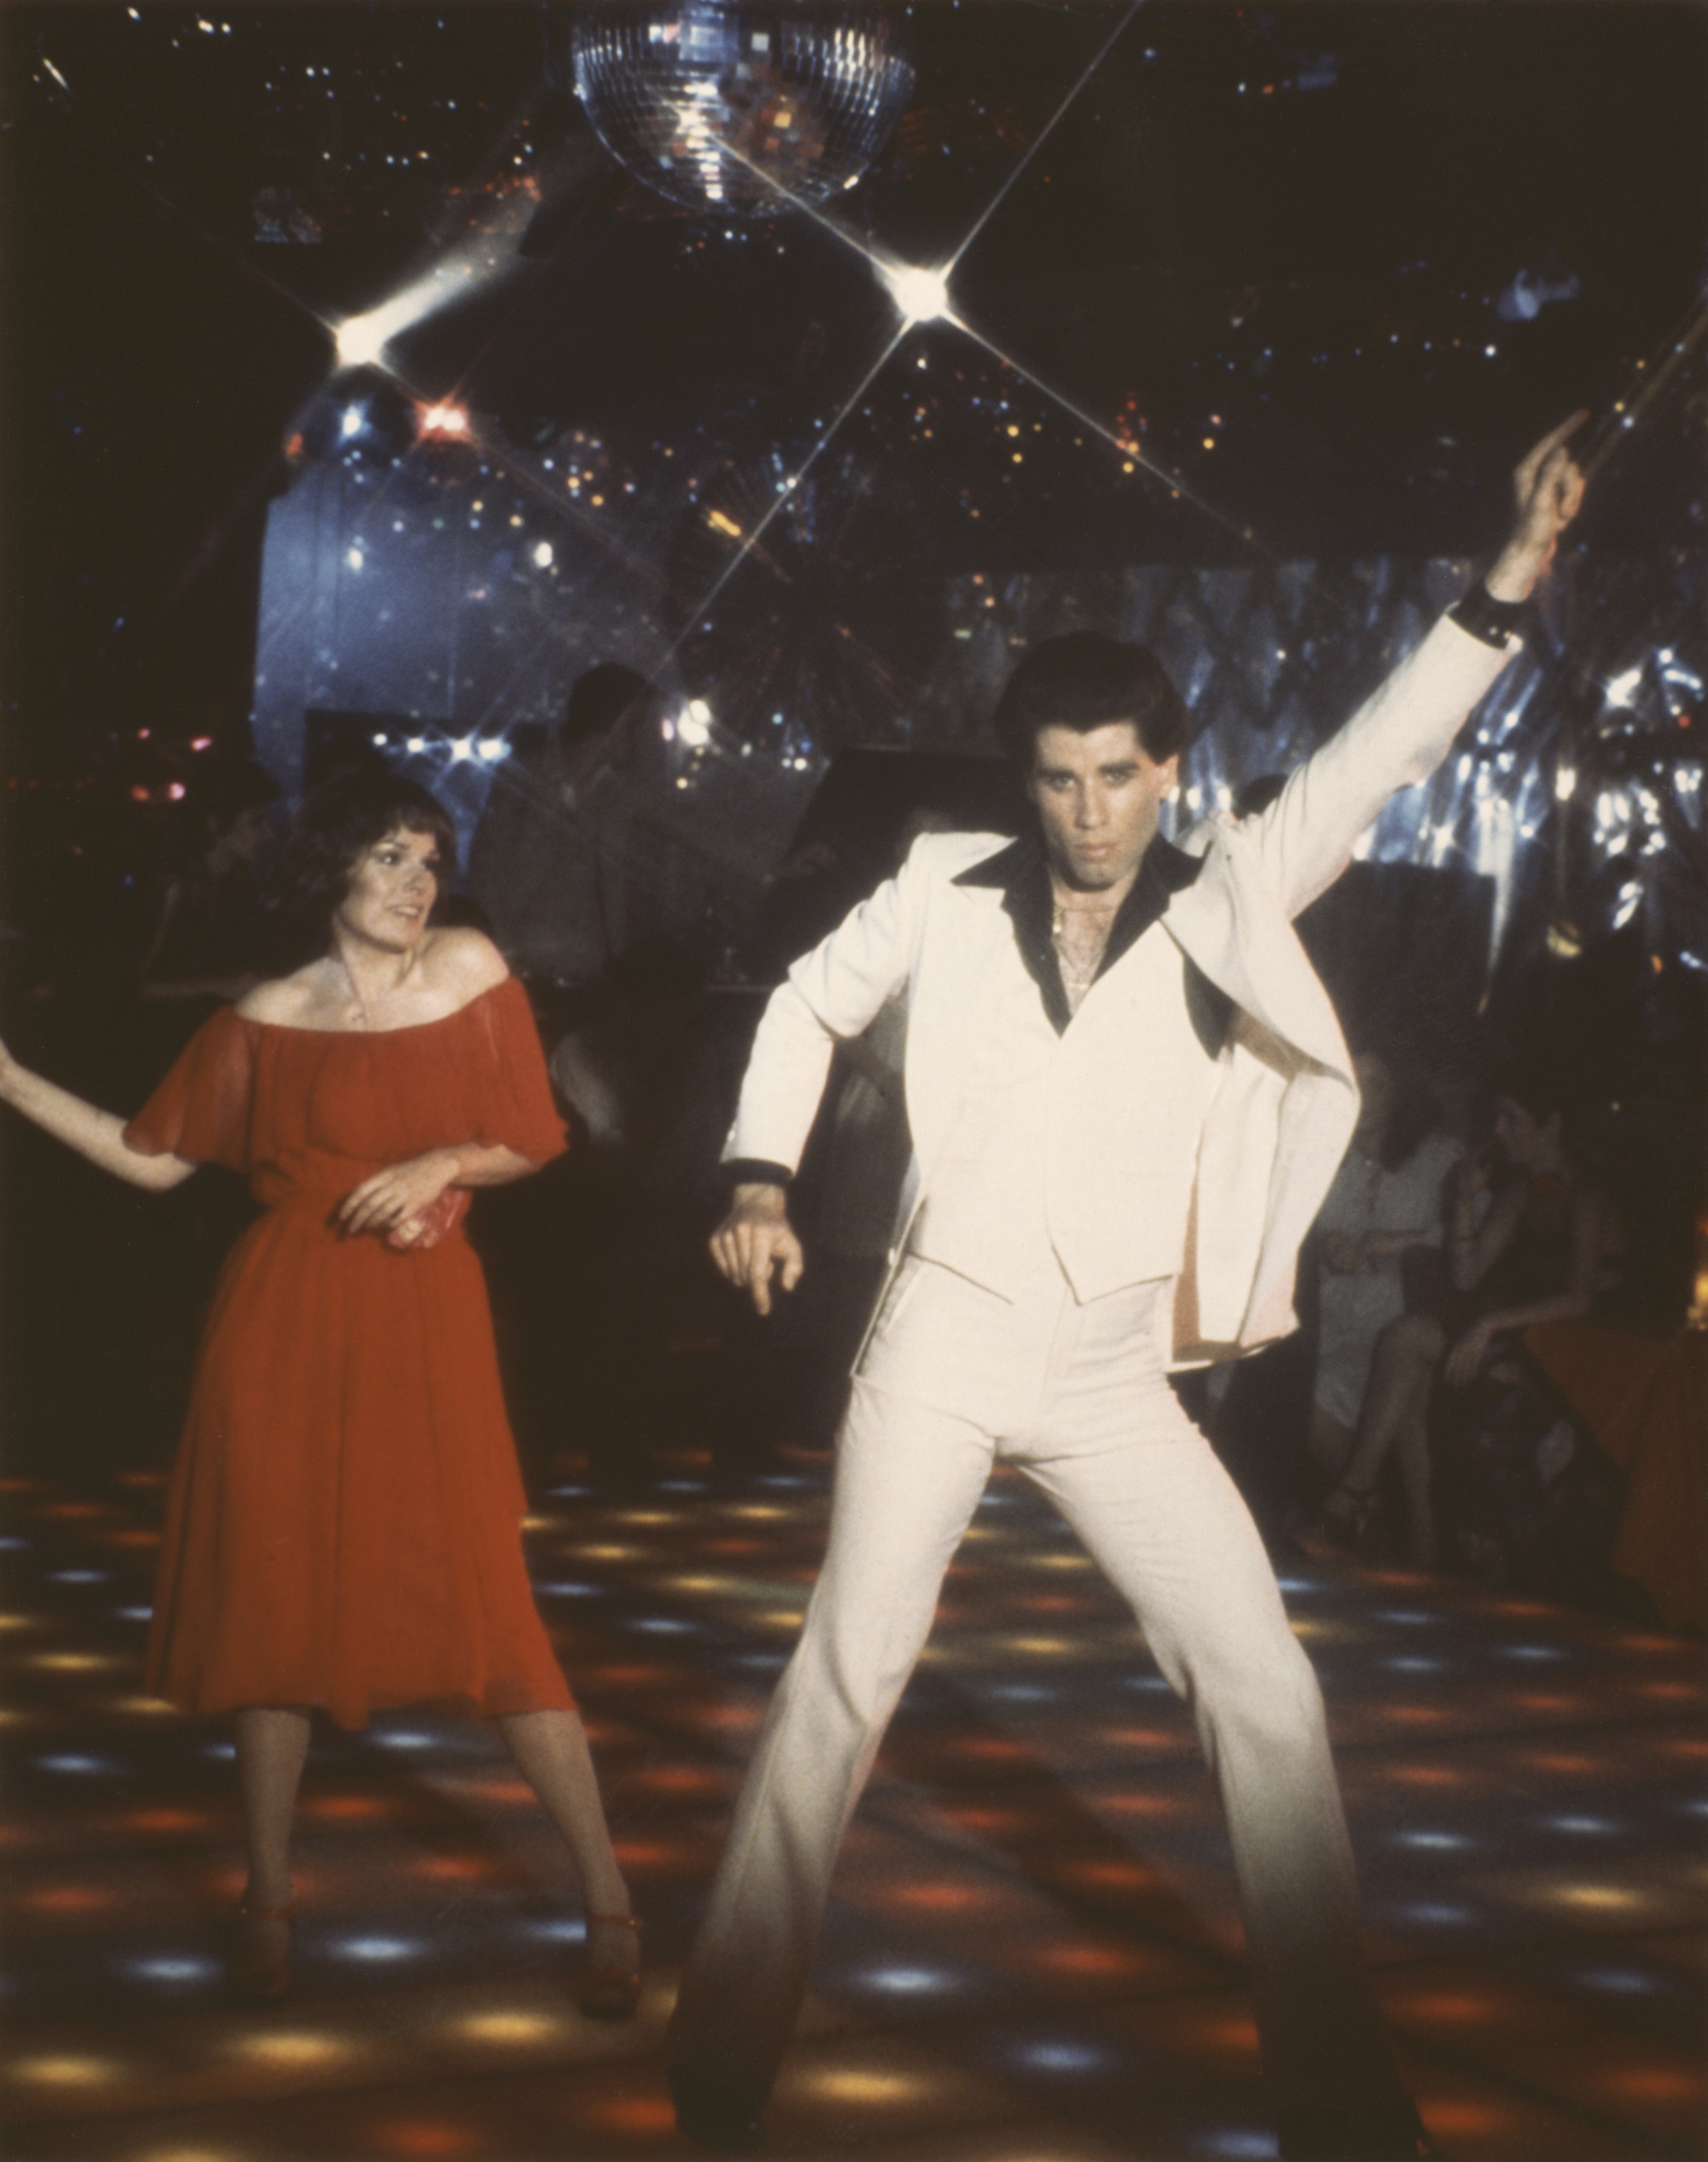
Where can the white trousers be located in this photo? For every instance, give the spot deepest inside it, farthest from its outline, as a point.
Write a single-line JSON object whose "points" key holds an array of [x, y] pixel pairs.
{"points": [[1077, 1396]]}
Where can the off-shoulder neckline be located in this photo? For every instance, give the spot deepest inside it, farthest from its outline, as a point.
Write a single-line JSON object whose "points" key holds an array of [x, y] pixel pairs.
{"points": [[372, 1035]]}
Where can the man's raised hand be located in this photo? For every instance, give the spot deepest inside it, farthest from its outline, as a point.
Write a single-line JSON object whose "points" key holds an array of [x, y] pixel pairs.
{"points": [[756, 1238], [1547, 487]]}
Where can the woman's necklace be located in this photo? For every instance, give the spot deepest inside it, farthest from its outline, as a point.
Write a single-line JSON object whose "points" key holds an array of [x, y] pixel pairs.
{"points": [[356, 1006]]}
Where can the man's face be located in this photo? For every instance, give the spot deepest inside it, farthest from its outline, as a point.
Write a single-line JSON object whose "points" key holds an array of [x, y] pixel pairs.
{"points": [[1097, 795]]}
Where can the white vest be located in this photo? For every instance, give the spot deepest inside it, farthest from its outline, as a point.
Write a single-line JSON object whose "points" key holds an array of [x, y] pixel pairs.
{"points": [[1083, 1143]]}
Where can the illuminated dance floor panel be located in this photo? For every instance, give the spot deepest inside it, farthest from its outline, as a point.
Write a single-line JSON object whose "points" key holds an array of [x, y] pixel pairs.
{"points": [[1033, 1954]]}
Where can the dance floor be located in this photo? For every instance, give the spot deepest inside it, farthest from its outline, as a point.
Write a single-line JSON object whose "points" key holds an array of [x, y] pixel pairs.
{"points": [[1033, 1954]]}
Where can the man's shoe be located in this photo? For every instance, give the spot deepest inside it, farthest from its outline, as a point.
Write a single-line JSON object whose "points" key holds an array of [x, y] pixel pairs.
{"points": [[715, 2117], [1333, 2135]]}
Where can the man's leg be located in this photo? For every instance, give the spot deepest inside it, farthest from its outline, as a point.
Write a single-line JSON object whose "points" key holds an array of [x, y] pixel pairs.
{"points": [[1164, 1521], [907, 1481]]}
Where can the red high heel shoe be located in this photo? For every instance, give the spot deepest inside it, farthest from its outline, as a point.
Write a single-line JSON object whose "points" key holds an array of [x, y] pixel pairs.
{"points": [[258, 1971], [607, 1991]]}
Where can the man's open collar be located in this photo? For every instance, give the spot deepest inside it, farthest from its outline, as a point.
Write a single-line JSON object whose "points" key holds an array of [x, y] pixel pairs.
{"points": [[1020, 873]]}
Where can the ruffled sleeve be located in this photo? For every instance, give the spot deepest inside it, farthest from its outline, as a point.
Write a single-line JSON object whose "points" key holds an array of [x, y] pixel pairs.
{"points": [[202, 1109], [516, 1109]]}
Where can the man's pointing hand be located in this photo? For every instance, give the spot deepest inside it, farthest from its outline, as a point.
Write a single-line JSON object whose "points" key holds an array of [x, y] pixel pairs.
{"points": [[756, 1238]]}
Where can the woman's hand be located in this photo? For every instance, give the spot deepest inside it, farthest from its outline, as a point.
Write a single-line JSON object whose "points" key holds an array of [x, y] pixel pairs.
{"points": [[1343, 1252], [394, 1199]]}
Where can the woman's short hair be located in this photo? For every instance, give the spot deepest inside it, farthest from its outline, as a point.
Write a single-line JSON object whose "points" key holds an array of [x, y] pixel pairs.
{"points": [[1084, 681], [339, 820]]}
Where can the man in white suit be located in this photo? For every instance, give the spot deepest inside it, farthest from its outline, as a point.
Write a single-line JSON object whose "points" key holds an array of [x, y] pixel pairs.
{"points": [[1128, 1096]]}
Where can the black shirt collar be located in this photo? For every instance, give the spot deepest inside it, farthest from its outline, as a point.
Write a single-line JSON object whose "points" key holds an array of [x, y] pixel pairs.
{"points": [[1020, 873]]}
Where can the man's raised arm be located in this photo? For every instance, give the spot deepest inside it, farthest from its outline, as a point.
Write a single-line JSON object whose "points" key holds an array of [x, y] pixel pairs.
{"points": [[1400, 735]]}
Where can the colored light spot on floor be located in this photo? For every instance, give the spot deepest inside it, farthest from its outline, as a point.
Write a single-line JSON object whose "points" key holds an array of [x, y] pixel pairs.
{"points": [[192, 2154], [67, 2071], [939, 1899], [1656, 2083], [167, 1820], [645, 2116], [1115, 1876], [1611, 1899], [1469, 2120], [65, 1899], [1098, 1960], [687, 1779], [296, 2050], [348, 1809], [1237, 2036], [729, 1714], [510, 2028], [846, 2083], [1454, 2007], [453, 1868], [427, 2136], [992, 1749]]}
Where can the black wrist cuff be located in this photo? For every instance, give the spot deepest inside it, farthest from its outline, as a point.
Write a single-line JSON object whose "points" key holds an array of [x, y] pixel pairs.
{"points": [[1494, 622], [754, 1171]]}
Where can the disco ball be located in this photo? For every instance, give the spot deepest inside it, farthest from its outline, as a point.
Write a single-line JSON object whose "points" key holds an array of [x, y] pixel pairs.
{"points": [[721, 105]]}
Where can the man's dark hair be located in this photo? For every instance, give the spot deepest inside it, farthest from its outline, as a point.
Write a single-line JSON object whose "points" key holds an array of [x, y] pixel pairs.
{"points": [[336, 824], [1084, 681], [599, 699]]}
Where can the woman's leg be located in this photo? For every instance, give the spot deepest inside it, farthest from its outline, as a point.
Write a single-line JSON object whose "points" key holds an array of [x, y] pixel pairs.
{"points": [[272, 1745], [551, 1750], [1329, 1442], [1394, 1417]]}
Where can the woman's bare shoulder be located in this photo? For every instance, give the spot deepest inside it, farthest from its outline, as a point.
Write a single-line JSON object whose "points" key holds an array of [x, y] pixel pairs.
{"points": [[462, 961], [282, 1001]]}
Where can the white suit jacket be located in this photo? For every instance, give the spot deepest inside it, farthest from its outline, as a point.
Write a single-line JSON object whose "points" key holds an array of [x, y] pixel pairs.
{"points": [[1284, 1101]]}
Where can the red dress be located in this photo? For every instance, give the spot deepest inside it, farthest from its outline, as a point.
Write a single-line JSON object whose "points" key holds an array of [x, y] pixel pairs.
{"points": [[343, 1523]]}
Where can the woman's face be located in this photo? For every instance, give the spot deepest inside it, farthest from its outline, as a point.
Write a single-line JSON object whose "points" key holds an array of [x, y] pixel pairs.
{"points": [[391, 891], [1520, 1138]]}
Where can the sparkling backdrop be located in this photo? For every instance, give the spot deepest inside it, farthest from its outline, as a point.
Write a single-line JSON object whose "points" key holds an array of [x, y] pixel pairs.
{"points": [[1217, 330]]}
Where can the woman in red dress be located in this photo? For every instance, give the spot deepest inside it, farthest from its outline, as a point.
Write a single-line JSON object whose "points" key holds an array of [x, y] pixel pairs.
{"points": [[343, 1527]]}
